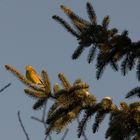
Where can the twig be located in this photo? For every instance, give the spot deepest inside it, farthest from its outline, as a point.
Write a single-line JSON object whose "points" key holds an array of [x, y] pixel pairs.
{"points": [[22, 126], [83, 133], [50, 138], [43, 120], [44, 114], [5, 87], [34, 118], [65, 134]]}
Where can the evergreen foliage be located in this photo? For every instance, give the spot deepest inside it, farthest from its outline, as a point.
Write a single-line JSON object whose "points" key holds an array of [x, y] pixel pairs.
{"points": [[70, 99], [111, 46]]}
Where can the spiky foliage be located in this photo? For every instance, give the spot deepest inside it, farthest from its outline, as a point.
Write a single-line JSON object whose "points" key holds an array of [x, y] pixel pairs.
{"points": [[91, 54], [100, 109], [125, 123], [89, 112], [111, 45], [87, 32], [133, 92], [103, 108], [70, 100], [41, 91]]}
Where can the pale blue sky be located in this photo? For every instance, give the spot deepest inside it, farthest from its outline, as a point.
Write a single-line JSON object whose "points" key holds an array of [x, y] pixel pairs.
{"points": [[29, 36]]}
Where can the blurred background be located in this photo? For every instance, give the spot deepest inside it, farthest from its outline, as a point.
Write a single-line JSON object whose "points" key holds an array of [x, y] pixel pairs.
{"points": [[29, 36]]}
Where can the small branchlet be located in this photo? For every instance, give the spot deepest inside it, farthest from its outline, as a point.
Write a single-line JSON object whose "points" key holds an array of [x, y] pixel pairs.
{"points": [[66, 25], [125, 122], [64, 81], [104, 107], [78, 52], [100, 110], [91, 13], [89, 112], [105, 22], [56, 89], [79, 23], [46, 81], [41, 91], [133, 92]]}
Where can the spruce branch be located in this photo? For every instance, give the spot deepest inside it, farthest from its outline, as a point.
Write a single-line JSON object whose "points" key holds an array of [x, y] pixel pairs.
{"points": [[71, 99], [112, 45]]}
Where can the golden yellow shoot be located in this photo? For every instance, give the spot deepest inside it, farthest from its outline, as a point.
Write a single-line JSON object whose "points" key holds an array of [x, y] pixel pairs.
{"points": [[67, 10]]}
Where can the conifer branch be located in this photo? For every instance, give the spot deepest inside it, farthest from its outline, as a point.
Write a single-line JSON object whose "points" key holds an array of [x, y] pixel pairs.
{"points": [[71, 99], [112, 45]]}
